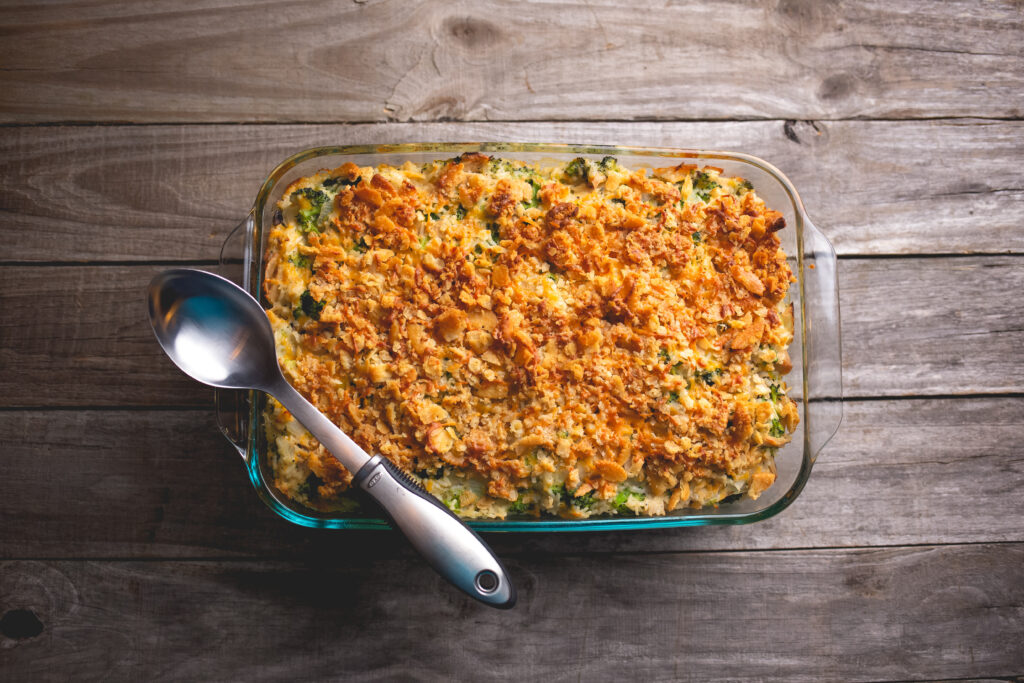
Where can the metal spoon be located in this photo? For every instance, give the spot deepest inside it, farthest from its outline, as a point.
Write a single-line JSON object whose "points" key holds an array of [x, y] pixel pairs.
{"points": [[220, 335]]}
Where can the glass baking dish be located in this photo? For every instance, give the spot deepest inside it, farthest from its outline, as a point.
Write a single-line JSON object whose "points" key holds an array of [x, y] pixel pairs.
{"points": [[815, 381]]}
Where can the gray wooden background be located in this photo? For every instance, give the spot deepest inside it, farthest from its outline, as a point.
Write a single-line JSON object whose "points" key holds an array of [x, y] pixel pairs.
{"points": [[134, 136]]}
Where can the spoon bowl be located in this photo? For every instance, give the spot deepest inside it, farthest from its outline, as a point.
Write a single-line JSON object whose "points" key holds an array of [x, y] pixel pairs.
{"points": [[213, 330]]}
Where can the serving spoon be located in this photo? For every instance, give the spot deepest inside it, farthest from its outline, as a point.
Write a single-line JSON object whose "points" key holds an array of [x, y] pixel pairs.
{"points": [[217, 333]]}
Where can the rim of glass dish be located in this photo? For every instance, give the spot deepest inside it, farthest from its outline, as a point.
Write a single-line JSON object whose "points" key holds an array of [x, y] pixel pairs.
{"points": [[268, 496]]}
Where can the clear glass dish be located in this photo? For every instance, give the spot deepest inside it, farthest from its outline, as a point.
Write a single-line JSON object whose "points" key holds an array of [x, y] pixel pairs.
{"points": [[815, 381]]}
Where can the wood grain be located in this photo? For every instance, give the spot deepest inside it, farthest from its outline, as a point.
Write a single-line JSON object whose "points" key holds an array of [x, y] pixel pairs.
{"points": [[131, 193], [873, 614], [79, 336], [152, 484], [380, 61]]}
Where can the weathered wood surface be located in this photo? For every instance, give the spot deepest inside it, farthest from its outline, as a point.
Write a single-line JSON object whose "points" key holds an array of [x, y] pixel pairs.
{"points": [[160, 483], [79, 336], [869, 614], [131, 193], [379, 61], [129, 528]]}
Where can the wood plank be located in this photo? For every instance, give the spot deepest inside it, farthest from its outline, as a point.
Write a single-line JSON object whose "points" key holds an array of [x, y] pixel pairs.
{"points": [[114, 193], [151, 484], [379, 61], [79, 336], [932, 326], [878, 614]]}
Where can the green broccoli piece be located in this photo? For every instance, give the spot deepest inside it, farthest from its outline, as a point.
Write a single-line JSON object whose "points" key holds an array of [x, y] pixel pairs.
{"points": [[744, 186], [454, 500], [663, 355], [608, 163], [310, 487], [708, 376], [623, 496], [460, 212], [560, 493], [310, 202], [584, 502], [678, 369], [310, 306], [301, 261], [534, 201], [578, 169], [495, 231], [778, 429], [360, 245], [774, 393], [519, 507], [697, 237], [703, 184]]}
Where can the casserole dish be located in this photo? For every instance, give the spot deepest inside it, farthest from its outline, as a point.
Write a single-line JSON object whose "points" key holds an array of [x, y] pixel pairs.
{"points": [[815, 381]]}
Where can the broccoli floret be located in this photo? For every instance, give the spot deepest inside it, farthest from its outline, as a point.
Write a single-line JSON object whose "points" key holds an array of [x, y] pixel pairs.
{"points": [[310, 487], [519, 507], [460, 212], [744, 186], [678, 369], [697, 237], [578, 169], [708, 376], [703, 184], [777, 429], [310, 306], [619, 201], [534, 201], [341, 182], [774, 393], [673, 397], [361, 245], [663, 355], [495, 231], [301, 261], [584, 502], [310, 203], [454, 500], [623, 496], [560, 493], [608, 163]]}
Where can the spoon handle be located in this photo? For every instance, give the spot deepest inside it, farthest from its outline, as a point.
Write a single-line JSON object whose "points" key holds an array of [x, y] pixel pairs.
{"points": [[452, 548]]}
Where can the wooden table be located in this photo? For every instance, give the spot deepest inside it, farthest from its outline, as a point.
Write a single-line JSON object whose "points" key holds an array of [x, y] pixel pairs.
{"points": [[135, 135]]}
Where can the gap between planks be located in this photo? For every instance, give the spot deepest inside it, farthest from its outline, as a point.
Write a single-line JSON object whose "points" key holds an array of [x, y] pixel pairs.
{"points": [[490, 536], [77, 123]]}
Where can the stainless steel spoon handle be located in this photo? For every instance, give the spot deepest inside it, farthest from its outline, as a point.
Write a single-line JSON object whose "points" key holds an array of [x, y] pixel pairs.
{"points": [[452, 548]]}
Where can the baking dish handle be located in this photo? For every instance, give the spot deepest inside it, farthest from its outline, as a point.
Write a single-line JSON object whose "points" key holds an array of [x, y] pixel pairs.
{"points": [[232, 405], [822, 339]]}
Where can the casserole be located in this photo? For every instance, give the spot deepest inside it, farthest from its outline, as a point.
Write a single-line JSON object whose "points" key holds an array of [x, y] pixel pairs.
{"points": [[815, 383]]}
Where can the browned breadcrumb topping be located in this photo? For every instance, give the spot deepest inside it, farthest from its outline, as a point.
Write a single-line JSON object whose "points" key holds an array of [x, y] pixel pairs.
{"points": [[584, 339]]}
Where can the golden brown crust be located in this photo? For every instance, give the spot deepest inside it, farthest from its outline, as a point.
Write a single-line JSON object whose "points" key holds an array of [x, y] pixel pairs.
{"points": [[530, 326]]}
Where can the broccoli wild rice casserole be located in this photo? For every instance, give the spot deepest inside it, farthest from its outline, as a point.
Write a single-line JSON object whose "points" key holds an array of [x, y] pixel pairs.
{"points": [[576, 340]]}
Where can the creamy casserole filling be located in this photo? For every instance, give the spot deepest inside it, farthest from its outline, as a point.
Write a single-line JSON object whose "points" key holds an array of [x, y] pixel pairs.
{"points": [[583, 339]]}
